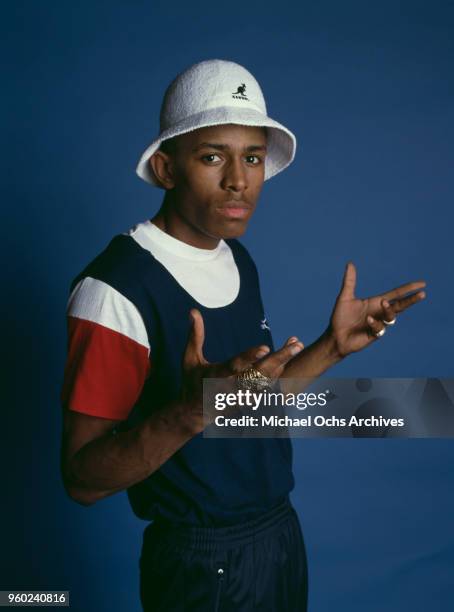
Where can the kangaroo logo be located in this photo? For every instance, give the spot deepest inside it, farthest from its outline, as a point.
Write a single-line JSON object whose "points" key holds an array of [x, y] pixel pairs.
{"points": [[240, 93], [264, 324]]}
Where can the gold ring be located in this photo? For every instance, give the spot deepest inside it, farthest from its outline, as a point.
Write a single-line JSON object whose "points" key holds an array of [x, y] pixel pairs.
{"points": [[253, 380]]}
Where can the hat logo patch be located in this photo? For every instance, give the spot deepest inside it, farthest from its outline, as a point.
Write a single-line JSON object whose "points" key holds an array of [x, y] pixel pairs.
{"points": [[240, 93]]}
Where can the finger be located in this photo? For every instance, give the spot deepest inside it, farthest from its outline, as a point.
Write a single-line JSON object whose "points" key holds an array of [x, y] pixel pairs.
{"points": [[404, 303], [246, 359], [349, 282], [374, 327], [274, 364], [291, 340], [401, 291], [388, 311], [193, 354]]}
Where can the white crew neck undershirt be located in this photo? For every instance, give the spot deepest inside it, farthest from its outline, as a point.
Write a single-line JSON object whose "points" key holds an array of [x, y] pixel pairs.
{"points": [[210, 276]]}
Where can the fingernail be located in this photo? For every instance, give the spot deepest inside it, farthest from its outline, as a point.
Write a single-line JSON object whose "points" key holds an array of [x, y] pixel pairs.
{"points": [[370, 320], [385, 303], [261, 353], [296, 348]]}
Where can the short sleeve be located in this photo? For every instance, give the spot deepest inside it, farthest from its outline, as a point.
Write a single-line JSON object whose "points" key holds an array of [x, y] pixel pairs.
{"points": [[108, 356]]}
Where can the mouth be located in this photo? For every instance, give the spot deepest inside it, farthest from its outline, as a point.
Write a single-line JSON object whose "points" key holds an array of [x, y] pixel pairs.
{"points": [[235, 209]]}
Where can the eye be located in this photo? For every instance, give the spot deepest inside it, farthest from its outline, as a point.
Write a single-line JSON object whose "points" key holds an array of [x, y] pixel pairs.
{"points": [[209, 158], [250, 159]]}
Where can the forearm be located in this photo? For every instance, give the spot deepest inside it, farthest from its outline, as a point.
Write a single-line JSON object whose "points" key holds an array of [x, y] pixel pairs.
{"points": [[117, 461], [313, 361]]}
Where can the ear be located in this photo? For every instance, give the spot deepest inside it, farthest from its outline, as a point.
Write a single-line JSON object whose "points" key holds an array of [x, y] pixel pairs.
{"points": [[162, 165]]}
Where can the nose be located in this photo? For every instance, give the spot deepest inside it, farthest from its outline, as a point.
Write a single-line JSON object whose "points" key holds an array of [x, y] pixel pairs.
{"points": [[234, 178]]}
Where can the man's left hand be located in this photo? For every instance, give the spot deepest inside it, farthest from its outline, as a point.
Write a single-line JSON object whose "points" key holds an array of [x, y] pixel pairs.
{"points": [[355, 323]]}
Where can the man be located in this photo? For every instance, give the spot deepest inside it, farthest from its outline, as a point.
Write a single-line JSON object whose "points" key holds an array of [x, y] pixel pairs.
{"points": [[224, 535]]}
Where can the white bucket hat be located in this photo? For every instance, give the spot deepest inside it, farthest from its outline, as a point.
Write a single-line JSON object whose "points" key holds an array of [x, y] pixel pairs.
{"points": [[216, 92]]}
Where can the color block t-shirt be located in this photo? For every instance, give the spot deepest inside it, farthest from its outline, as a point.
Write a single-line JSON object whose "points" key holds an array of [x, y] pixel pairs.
{"points": [[128, 324]]}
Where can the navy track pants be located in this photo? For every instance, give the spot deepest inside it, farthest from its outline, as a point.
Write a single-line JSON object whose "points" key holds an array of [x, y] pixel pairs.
{"points": [[256, 566]]}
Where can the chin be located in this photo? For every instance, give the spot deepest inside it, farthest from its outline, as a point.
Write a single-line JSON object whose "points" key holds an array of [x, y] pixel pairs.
{"points": [[233, 230]]}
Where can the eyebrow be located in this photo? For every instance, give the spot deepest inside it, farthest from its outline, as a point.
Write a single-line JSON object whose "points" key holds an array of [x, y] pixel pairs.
{"points": [[224, 147]]}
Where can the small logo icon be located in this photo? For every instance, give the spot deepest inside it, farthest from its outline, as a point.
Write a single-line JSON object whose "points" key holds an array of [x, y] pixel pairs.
{"points": [[240, 93], [264, 324]]}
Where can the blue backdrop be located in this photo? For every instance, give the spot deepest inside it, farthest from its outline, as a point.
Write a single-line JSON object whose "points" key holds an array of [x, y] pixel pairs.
{"points": [[368, 90]]}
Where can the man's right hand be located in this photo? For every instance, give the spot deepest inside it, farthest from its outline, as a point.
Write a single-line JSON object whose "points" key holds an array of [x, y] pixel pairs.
{"points": [[196, 367]]}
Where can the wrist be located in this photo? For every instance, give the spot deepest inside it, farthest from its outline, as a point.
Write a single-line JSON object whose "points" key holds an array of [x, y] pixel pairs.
{"points": [[331, 346], [180, 417]]}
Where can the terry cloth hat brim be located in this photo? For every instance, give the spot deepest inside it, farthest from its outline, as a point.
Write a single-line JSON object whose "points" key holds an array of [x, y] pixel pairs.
{"points": [[281, 143]]}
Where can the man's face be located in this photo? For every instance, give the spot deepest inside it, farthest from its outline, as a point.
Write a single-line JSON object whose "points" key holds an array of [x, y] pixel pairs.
{"points": [[218, 176]]}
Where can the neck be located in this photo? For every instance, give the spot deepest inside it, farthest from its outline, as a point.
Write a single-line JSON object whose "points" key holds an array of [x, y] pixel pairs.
{"points": [[171, 222]]}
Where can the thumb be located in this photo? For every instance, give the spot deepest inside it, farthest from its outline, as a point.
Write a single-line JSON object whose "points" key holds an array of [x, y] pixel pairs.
{"points": [[347, 291], [193, 354]]}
